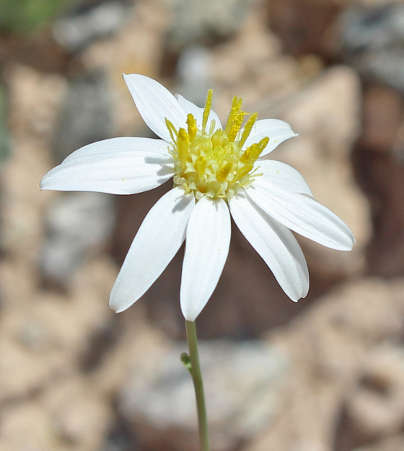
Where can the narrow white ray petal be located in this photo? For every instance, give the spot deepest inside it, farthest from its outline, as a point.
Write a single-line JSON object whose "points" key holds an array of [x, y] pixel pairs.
{"points": [[275, 244], [197, 112], [276, 130], [157, 241], [304, 215], [121, 144], [155, 103], [116, 166], [281, 175], [207, 246]]}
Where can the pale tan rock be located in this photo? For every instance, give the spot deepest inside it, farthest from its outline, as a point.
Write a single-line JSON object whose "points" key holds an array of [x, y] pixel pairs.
{"points": [[374, 408], [78, 416], [329, 346], [34, 100], [136, 48], [247, 376], [26, 428], [253, 66]]}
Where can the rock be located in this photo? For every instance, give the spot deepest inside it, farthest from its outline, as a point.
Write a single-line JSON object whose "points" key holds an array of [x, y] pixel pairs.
{"points": [[374, 408], [316, 34], [204, 23], [138, 47], [243, 407], [34, 336], [372, 41], [377, 159], [119, 438], [193, 74], [31, 90], [89, 21], [77, 414], [389, 444], [100, 342], [77, 224], [86, 114], [331, 346], [383, 112], [30, 419], [252, 65]]}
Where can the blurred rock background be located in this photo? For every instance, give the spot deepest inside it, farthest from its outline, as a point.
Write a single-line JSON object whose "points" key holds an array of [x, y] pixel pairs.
{"points": [[324, 375]]}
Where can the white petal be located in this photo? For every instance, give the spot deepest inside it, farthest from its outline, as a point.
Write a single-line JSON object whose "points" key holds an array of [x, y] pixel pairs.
{"points": [[281, 175], [155, 104], [207, 246], [304, 215], [121, 144], [276, 130], [157, 241], [117, 166], [197, 112], [275, 244]]}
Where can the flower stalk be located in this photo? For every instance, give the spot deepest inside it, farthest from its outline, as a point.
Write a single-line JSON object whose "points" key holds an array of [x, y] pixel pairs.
{"points": [[191, 362]]}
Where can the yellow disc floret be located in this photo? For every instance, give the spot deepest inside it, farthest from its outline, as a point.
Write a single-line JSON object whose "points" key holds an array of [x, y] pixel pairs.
{"points": [[212, 162]]}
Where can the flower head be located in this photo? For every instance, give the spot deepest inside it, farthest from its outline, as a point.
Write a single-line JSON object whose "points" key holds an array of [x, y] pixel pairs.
{"points": [[213, 162], [216, 171]]}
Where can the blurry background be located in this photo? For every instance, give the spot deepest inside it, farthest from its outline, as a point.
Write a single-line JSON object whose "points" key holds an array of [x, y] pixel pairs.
{"points": [[326, 374]]}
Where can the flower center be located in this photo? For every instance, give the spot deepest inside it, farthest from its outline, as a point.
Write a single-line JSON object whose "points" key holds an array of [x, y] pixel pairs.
{"points": [[212, 162]]}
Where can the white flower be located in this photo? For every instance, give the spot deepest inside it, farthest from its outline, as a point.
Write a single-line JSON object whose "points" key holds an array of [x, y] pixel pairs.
{"points": [[216, 172]]}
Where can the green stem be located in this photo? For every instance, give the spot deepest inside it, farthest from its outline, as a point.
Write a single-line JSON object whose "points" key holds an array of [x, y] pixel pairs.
{"points": [[195, 371]]}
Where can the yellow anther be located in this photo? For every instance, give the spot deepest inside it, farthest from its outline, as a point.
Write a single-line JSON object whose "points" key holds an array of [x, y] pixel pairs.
{"points": [[247, 128], [192, 127], [182, 145], [206, 111], [171, 130], [244, 170], [254, 151], [218, 138], [223, 172], [246, 157], [235, 118], [262, 144]]}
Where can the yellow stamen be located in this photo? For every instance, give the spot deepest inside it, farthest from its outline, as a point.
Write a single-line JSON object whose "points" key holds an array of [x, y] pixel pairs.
{"points": [[253, 152], [206, 111], [247, 128], [235, 118], [244, 170], [211, 162], [224, 171], [171, 130], [182, 145], [192, 127]]}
